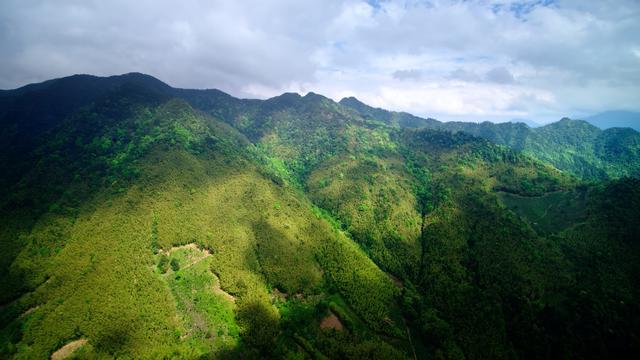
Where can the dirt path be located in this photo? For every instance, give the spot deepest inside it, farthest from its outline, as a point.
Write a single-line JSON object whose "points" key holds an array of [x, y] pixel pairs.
{"points": [[67, 350], [28, 312]]}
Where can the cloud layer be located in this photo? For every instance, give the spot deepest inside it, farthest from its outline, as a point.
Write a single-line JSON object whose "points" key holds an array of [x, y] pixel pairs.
{"points": [[474, 60]]}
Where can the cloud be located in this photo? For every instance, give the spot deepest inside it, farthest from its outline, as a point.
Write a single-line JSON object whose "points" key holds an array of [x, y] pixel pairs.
{"points": [[480, 59], [499, 75], [464, 75], [410, 74]]}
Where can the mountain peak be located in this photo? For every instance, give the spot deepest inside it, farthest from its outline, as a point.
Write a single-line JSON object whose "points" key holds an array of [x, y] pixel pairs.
{"points": [[351, 101], [287, 95], [313, 96], [565, 121]]}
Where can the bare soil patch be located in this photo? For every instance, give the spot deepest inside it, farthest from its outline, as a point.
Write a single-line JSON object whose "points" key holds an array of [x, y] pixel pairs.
{"points": [[331, 321], [67, 350], [277, 294]]}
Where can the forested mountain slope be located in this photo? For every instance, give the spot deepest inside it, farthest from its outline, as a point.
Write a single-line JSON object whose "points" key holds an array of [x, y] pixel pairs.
{"points": [[156, 222], [574, 146]]}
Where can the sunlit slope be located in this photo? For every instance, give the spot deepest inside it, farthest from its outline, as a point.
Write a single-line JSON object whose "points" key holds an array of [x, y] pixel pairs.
{"points": [[90, 266], [477, 280], [153, 222], [573, 146]]}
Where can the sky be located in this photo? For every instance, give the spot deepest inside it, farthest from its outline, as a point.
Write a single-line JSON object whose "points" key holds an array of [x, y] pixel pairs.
{"points": [[451, 60]]}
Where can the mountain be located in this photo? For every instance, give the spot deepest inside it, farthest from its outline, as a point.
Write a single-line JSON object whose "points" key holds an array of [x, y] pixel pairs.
{"points": [[529, 123], [144, 221], [388, 117], [574, 146], [620, 119]]}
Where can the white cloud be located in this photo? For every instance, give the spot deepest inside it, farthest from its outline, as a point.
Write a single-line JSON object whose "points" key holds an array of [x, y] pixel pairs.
{"points": [[477, 59]]}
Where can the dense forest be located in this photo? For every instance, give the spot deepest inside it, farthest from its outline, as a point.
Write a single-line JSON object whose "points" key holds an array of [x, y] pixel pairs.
{"points": [[574, 146], [144, 221]]}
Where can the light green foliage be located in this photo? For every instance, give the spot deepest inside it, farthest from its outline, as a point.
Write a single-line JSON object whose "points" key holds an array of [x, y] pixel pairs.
{"points": [[367, 289], [371, 200], [208, 319]]}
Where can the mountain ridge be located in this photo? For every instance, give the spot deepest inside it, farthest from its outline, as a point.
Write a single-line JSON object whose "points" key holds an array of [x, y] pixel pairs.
{"points": [[619, 118], [421, 242], [587, 162]]}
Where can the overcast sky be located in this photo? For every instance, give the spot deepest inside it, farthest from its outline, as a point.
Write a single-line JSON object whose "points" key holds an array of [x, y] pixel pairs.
{"points": [[467, 60]]}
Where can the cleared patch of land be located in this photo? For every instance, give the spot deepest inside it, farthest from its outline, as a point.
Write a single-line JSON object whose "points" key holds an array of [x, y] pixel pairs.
{"points": [[67, 350], [331, 321], [206, 311]]}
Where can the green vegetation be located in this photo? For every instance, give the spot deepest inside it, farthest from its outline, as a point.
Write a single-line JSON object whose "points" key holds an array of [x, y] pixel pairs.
{"points": [[161, 223], [207, 316], [549, 213], [574, 146]]}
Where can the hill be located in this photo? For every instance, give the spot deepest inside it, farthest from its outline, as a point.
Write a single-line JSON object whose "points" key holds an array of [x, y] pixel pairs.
{"points": [[574, 146], [144, 221], [611, 119], [529, 123]]}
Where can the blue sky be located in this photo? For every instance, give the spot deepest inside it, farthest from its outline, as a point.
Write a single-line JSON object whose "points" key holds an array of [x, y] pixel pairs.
{"points": [[453, 60]]}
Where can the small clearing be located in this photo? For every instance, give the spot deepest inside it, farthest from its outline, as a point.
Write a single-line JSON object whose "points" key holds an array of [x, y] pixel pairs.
{"points": [[194, 254], [67, 350], [190, 246], [331, 321]]}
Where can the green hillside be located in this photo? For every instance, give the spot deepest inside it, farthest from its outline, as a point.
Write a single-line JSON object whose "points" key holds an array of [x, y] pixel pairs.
{"points": [[143, 221], [573, 146]]}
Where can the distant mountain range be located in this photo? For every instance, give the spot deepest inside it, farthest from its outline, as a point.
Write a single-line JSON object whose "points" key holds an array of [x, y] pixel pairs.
{"points": [[574, 146], [610, 119], [529, 123]]}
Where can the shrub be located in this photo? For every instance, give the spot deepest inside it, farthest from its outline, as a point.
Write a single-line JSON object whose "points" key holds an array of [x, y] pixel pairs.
{"points": [[163, 263], [175, 265]]}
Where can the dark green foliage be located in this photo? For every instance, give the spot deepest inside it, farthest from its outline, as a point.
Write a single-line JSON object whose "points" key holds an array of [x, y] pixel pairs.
{"points": [[260, 325], [163, 263], [175, 265], [364, 286]]}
